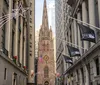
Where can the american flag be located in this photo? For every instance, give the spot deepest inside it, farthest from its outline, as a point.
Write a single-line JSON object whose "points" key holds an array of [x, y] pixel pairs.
{"points": [[41, 59]]}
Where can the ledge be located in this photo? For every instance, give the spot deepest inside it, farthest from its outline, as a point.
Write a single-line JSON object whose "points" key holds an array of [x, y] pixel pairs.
{"points": [[90, 51], [2, 55]]}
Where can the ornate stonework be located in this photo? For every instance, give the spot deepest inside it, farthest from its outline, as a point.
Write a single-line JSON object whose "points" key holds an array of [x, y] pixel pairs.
{"points": [[46, 68]]}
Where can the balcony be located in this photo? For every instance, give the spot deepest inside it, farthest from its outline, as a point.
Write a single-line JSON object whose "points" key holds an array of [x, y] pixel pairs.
{"points": [[5, 51]]}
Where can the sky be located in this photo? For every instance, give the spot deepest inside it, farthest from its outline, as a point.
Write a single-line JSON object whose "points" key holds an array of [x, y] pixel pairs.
{"points": [[39, 13]]}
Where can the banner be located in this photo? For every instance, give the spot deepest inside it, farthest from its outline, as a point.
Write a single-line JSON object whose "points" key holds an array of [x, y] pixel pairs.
{"points": [[87, 33], [73, 51], [68, 59]]}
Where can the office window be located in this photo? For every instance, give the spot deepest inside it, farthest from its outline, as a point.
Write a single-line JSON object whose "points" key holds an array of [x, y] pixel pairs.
{"points": [[30, 54], [97, 66], [30, 36], [30, 12], [5, 73], [30, 20], [30, 46], [30, 27], [30, 4]]}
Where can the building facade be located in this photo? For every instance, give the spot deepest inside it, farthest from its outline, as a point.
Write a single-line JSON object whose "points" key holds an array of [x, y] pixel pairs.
{"points": [[31, 42], [46, 64], [14, 45], [13, 39], [61, 8], [36, 43], [85, 69]]}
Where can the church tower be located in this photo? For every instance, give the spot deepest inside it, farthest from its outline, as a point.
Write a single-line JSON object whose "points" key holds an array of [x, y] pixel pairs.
{"points": [[46, 66]]}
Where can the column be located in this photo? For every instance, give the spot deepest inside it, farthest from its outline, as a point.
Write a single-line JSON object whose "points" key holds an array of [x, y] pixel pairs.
{"points": [[78, 33], [80, 76], [21, 41], [9, 31], [75, 35], [31, 58], [87, 75], [25, 27], [92, 14], [16, 34], [84, 19], [1, 7]]}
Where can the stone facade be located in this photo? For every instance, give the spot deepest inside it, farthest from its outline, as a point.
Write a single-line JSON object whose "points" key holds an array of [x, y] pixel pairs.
{"points": [[84, 70], [31, 42], [14, 42], [46, 64]]}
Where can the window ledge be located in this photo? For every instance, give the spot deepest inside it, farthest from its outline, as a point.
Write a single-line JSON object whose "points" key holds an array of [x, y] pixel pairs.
{"points": [[97, 77]]}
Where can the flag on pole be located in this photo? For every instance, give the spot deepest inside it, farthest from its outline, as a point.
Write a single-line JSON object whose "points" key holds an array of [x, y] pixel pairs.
{"points": [[68, 59], [41, 59], [87, 33], [57, 74], [73, 51]]}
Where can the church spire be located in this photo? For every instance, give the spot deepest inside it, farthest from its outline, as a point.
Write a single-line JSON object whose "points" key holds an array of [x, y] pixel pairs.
{"points": [[45, 17]]}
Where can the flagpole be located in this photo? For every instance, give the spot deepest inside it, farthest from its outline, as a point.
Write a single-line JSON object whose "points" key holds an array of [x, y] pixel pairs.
{"points": [[84, 22], [71, 43]]}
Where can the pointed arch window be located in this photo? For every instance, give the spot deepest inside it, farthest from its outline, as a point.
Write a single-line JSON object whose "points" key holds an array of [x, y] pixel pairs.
{"points": [[46, 72]]}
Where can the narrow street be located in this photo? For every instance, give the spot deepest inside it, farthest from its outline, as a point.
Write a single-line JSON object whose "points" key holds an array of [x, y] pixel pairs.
{"points": [[50, 42]]}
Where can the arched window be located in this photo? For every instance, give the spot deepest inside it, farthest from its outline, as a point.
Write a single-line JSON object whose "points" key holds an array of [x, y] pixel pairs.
{"points": [[46, 72]]}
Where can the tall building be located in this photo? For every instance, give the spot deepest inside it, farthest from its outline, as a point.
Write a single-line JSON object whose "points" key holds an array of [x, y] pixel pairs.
{"points": [[51, 13], [36, 43], [46, 64], [60, 26], [13, 42], [31, 43], [85, 69]]}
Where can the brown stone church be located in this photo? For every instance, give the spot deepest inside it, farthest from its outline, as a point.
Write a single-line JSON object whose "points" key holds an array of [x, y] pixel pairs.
{"points": [[46, 67]]}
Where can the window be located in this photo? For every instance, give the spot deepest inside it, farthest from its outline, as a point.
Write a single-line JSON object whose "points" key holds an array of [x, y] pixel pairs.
{"points": [[30, 12], [19, 46], [6, 3], [30, 46], [30, 4], [13, 34], [30, 36], [97, 66], [96, 13], [14, 79], [89, 72], [19, 24], [77, 77], [30, 20], [82, 72], [30, 27], [5, 74], [46, 72], [30, 54], [14, 2], [4, 36]]}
